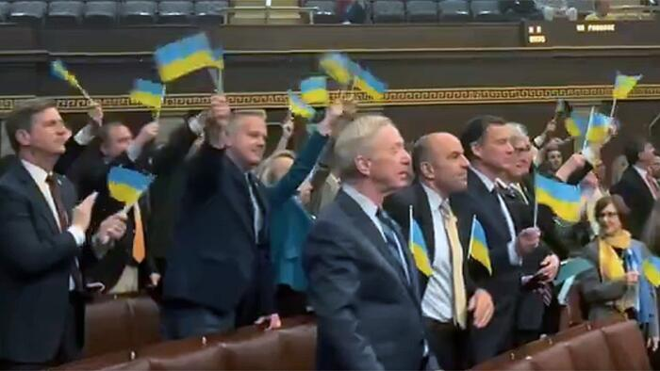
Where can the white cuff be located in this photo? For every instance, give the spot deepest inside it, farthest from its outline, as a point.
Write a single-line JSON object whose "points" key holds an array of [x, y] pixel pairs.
{"points": [[134, 151], [85, 135], [514, 258], [195, 125], [539, 140], [77, 234]]}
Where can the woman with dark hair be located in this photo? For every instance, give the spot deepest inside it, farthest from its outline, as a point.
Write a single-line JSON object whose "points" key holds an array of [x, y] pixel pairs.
{"points": [[616, 285]]}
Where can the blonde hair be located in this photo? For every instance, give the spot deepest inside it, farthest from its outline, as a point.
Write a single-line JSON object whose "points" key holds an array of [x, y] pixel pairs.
{"points": [[265, 170], [355, 140]]}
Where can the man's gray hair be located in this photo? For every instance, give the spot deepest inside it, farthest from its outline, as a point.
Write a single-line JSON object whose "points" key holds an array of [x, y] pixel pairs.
{"points": [[356, 139]]}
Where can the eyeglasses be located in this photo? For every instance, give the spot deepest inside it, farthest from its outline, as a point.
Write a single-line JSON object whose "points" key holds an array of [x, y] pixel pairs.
{"points": [[608, 215]]}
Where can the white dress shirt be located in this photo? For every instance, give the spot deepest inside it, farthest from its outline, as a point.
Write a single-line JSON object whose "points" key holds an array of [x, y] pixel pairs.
{"points": [[39, 176], [437, 302], [514, 258], [644, 174], [370, 208]]}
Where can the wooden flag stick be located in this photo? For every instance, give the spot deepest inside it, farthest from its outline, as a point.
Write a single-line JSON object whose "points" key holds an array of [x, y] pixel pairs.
{"points": [[613, 108]]}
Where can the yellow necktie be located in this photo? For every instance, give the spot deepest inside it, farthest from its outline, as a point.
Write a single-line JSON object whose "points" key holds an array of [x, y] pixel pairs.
{"points": [[460, 301], [138, 240]]}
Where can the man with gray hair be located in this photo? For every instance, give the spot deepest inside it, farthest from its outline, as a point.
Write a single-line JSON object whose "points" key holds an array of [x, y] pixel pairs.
{"points": [[363, 283]]}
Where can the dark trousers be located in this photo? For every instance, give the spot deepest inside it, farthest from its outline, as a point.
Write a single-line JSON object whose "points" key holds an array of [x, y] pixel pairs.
{"points": [[448, 344], [290, 302], [180, 320], [70, 345]]}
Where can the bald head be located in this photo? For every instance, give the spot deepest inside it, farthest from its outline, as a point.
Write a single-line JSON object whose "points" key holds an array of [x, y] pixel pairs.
{"points": [[440, 163]]}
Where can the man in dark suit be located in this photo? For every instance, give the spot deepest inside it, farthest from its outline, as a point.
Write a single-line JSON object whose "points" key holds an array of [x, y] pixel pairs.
{"points": [[219, 273], [363, 284], [128, 266], [487, 146], [637, 186], [41, 236], [539, 267], [441, 170]]}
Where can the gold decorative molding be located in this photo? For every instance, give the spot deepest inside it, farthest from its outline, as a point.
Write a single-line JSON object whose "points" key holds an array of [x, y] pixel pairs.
{"points": [[394, 97]]}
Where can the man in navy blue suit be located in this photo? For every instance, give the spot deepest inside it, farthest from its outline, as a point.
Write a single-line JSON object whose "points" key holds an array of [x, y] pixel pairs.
{"points": [[363, 283], [219, 273], [41, 238]]}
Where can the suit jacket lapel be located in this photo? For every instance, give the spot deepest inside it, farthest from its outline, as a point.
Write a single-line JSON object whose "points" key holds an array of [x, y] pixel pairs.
{"points": [[491, 216], [235, 184], [641, 183], [35, 196], [367, 227], [422, 214]]}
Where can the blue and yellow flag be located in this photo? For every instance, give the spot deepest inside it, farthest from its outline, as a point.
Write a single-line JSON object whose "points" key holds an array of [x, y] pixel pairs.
{"points": [[337, 66], [150, 94], [184, 56], [370, 85], [314, 90], [58, 70], [219, 58], [478, 249], [127, 185], [564, 199], [598, 129], [651, 269], [623, 85], [576, 125], [298, 107], [418, 247]]}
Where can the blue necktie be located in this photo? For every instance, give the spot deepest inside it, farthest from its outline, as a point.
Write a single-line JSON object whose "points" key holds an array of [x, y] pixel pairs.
{"points": [[389, 230]]}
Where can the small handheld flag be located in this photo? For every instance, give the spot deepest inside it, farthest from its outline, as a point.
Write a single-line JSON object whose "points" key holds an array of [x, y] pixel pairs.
{"points": [[598, 129], [370, 85], [337, 67], [315, 90], [127, 185], [624, 84], [219, 58], [418, 247], [564, 199], [651, 269], [576, 125], [478, 249], [148, 93], [60, 71], [298, 107], [184, 56], [571, 267]]}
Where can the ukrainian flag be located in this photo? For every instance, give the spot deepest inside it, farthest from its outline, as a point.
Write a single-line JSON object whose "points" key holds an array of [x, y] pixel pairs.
{"points": [[370, 85], [298, 107], [576, 125], [219, 58], [148, 93], [564, 199], [337, 66], [598, 129], [418, 247], [623, 85], [127, 185], [651, 269], [58, 70], [184, 56], [315, 90], [478, 249]]}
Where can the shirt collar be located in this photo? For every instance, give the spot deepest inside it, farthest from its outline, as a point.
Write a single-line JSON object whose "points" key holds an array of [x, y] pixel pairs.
{"points": [[643, 172], [38, 174], [490, 185], [368, 206], [435, 200]]}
